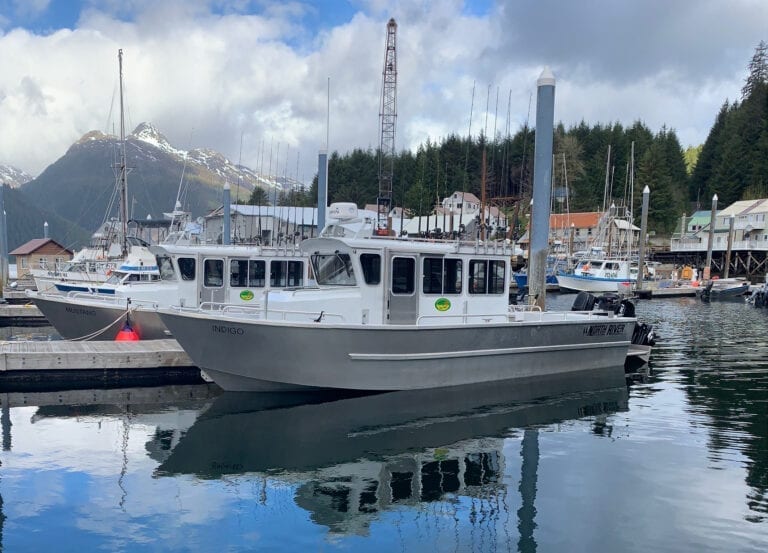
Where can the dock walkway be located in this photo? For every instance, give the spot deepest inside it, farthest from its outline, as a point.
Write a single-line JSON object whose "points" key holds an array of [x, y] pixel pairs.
{"points": [[61, 364]]}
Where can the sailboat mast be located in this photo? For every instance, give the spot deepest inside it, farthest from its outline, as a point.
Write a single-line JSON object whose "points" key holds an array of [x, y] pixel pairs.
{"points": [[123, 168]]}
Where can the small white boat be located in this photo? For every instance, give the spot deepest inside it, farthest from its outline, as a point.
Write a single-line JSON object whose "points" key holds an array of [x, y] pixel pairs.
{"points": [[724, 289], [600, 274]]}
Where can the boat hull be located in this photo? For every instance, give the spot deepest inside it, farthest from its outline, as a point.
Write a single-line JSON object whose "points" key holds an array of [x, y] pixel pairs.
{"points": [[253, 355], [735, 293], [97, 320], [579, 283]]}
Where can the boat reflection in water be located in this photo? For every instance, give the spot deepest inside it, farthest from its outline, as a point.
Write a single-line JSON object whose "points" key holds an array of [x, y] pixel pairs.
{"points": [[356, 457]]}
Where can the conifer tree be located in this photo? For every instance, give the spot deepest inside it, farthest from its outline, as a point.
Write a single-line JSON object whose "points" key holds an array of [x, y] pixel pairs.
{"points": [[758, 70]]}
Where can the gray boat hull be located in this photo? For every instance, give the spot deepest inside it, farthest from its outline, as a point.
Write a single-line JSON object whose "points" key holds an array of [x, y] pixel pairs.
{"points": [[258, 355], [84, 319]]}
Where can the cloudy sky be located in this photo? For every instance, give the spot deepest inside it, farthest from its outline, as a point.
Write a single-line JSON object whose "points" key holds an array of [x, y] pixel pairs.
{"points": [[221, 73]]}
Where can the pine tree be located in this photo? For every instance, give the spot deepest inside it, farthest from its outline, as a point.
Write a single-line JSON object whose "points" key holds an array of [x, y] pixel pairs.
{"points": [[758, 70]]}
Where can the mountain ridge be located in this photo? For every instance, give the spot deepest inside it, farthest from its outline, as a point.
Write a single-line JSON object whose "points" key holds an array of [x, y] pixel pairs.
{"points": [[80, 186]]}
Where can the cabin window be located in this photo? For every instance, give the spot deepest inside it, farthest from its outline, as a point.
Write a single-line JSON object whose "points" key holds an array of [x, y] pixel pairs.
{"points": [[286, 274], [403, 270], [497, 277], [238, 273], [433, 275], [213, 273], [187, 268], [487, 277], [478, 271], [371, 264], [244, 273], [23, 261], [442, 276], [257, 271], [166, 268], [334, 269]]}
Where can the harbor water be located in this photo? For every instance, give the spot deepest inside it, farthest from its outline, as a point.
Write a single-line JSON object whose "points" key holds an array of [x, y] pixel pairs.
{"points": [[674, 458]]}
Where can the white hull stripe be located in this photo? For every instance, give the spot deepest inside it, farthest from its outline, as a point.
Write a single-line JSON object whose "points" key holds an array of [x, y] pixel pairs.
{"points": [[477, 352]]}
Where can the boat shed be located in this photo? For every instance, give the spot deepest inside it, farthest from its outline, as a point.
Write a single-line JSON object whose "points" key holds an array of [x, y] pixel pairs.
{"points": [[39, 253]]}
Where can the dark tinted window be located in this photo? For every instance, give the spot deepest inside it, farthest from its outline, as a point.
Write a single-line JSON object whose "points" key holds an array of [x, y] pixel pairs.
{"points": [[187, 268], [403, 269], [478, 270], [213, 273], [371, 264], [496, 277]]}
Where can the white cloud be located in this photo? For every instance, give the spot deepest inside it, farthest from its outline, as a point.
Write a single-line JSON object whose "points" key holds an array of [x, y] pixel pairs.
{"points": [[217, 76]]}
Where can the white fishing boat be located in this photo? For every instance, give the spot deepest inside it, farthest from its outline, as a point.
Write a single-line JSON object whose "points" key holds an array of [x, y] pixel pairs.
{"points": [[91, 265], [394, 314], [172, 273], [180, 271], [597, 273]]}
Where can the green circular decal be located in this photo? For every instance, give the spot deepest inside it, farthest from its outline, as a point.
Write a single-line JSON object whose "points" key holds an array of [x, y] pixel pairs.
{"points": [[246, 295], [442, 304]]}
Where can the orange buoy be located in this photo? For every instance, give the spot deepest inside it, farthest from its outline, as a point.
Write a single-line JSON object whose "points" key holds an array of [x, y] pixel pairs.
{"points": [[127, 334]]}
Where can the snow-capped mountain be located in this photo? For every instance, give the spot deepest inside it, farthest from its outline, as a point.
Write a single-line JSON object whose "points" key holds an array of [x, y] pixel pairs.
{"points": [[13, 177], [149, 144], [88, 171]]}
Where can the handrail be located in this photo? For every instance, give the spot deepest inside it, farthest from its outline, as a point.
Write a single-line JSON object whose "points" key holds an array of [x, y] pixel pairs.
{"points": [[463, 317]]}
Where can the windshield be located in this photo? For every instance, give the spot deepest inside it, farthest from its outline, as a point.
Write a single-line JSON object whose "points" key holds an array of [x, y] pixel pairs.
{"points": [[116, 277], [334, 269]]}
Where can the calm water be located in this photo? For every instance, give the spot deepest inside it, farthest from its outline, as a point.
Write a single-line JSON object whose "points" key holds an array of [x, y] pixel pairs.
{"points": [[677, 461]]}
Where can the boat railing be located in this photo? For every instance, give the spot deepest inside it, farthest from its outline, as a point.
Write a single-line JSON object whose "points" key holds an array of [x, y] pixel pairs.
{"points": [[128, 303], [259, 311], [463, 318]]}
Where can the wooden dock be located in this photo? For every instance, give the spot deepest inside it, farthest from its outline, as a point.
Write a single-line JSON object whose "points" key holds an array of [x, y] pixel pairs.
{"points": [[649, 291], [21, 315], [60, 364]]}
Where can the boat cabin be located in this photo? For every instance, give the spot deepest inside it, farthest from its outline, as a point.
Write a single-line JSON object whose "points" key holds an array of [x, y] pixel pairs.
{"points": [[234, 275], [372, 280]]}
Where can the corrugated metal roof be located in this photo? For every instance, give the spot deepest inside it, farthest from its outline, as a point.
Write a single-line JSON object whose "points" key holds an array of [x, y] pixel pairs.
{"points": [[587, 219]]}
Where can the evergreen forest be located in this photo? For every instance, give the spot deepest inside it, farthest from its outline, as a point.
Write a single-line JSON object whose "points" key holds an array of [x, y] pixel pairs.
{"points": [[593, 166]]}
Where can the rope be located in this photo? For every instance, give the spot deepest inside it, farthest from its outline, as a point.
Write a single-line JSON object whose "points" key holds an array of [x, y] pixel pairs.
{"points": [[100, 331]]}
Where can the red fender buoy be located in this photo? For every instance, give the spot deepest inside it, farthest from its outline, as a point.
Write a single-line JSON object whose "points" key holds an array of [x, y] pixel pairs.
{"points": [[127, 334]]}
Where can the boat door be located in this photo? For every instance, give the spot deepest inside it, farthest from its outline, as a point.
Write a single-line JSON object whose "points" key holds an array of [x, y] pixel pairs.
{"points": [[212, 289], [403, 294]]}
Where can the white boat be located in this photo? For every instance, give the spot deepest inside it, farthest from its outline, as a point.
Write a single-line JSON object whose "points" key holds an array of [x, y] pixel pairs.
{"points": [[394, 314], [600, 274], [181, 271], [170, 274], [91, 265]]}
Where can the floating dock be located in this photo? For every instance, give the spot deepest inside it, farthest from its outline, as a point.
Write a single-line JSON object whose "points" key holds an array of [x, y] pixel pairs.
{"points": [[682, 291], [59, 364], [21, 315]]}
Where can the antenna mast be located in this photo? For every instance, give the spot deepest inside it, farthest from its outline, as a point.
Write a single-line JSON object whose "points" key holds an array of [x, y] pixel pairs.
{"points": [[123, 168], [388, 116]]}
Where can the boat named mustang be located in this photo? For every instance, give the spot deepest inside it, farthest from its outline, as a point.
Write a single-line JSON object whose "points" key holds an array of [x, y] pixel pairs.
{"points": [[394, 314]]}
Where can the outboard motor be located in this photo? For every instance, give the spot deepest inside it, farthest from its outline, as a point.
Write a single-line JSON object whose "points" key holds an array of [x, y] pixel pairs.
{"points": [[584, 302], [625, 309], [643, 335], [609, 302]]}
